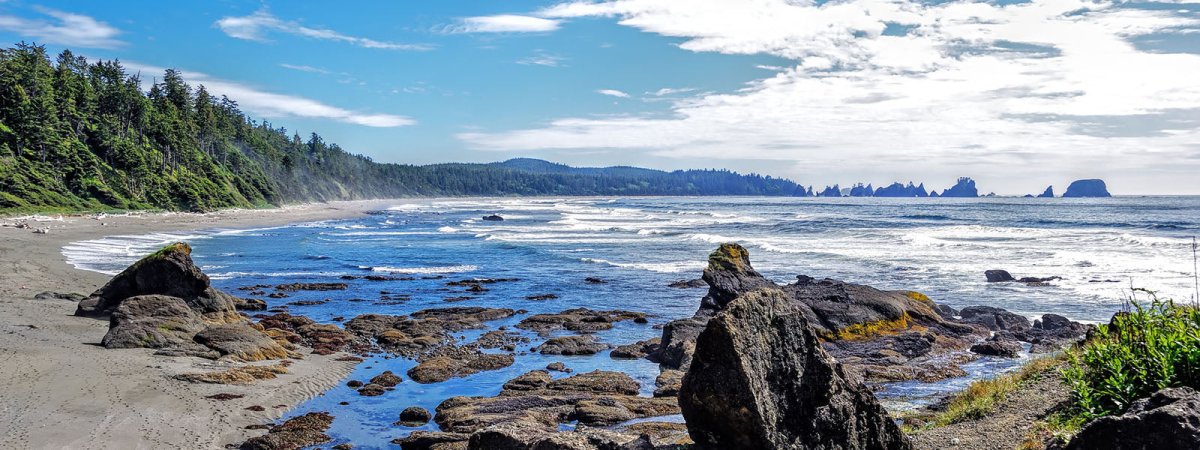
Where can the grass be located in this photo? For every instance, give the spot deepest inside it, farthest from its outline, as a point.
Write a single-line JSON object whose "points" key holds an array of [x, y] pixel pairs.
{"points": [[981, 397], [1143, 350]]}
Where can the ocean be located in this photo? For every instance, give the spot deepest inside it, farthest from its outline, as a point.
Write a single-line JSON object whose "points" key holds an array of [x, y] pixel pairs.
{"points": [[1100, 247]]}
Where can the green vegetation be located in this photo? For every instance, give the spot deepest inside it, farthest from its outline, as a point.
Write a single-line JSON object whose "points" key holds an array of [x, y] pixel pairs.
{"points": [[982, 396], [77, 135], [1141, 351]]}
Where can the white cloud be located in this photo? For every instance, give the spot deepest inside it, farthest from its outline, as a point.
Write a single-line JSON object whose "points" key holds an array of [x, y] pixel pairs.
{"points": [[612, 93], [255, 27], [503, 23], [542, 59], [1009, 91], [670, 91], [74, 30], [273, 105], [304, 68]]}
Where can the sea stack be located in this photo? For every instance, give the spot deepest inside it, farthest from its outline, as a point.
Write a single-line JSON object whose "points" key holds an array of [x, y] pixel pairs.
{"points": [[964, 188], [1087, 188], [1049, 193]]}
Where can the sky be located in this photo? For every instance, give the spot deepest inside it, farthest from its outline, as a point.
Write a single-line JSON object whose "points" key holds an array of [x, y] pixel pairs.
{"points": [[1017, 95]]}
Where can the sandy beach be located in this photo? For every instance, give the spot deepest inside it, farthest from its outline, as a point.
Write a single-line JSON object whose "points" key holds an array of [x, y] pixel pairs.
{"points": [[60, 389]]}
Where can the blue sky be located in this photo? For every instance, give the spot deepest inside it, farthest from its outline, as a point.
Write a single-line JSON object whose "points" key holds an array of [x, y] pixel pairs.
{"points": [[1017, 95]]}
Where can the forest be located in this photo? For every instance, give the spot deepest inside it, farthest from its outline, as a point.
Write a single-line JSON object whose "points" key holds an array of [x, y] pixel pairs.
{"points": [[78, 135]]}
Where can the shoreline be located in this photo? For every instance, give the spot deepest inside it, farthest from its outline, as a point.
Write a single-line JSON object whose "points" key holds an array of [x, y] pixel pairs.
{"points": [[62, 390]]}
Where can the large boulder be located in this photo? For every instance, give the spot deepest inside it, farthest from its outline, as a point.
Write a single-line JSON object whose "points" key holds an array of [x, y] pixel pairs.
{"points": [[998, 276], [169, 272], [152, 321], [241, 341], [759, 379], [1087, 188], [1167, 420]]}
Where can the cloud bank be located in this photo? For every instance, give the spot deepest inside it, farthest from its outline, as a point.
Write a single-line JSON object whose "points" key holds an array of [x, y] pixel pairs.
{"points": [[63, 28], [903, 87]]}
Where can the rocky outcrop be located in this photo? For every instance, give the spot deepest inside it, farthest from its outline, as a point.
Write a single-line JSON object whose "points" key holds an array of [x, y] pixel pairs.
{"points": [[900, 190], [965, 187], [296, 433], [572, 345], [1048, 193], [999, 345], [1169, 419], [580, 320], [171, 272], [1087, 188], [453, 362], [831, 191], [414, 416], [240, 341], [729, 275], [994, 319], [998, 276], [154, 321], [760, 379], [640, 349]]}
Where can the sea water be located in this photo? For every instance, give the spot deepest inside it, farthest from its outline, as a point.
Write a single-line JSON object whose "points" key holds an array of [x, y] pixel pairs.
{"points": [[1100, 247]]}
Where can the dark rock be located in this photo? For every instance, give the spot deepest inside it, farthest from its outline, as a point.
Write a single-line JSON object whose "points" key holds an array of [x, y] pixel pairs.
{"points": [[1169, 419], [541, 297], [433, 440], [386, 379], [153, 321], [169, 272], [493, 218], [998, 346], [945, 311], [594, 280], [224, 397], [728, 275], [354, 384], [900, 190], [294, 434], [558, 367], [1087, 188], [688, 284], [679, 341], [1048, 193], [994, 319], [415, 416], [759, 379], [372, 390], [249, 304], [1054, 322], [241, 341], [572, 345], [291, 287], [998, 276], [577, 319], [637, 350]]}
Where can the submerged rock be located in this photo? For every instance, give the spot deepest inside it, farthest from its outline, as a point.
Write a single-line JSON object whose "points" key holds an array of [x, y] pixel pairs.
{"points": [[578, 320], [1087, 188], [1169, 419], [759, 379], [414, 416], [458, 362], [998, 276], [171, 272]]}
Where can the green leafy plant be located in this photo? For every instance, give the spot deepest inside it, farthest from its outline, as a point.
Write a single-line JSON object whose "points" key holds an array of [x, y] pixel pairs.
{"points": [[1145, 348]]}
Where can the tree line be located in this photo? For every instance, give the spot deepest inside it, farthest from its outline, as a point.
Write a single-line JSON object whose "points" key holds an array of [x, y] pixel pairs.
{"points": [[78, 135]]}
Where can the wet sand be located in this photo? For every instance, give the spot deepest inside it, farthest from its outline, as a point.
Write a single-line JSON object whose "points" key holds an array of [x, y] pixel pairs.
{"points": [[60, 389]]}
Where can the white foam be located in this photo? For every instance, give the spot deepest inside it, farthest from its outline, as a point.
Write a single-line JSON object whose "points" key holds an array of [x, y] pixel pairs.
{"points": [[426, 270]]}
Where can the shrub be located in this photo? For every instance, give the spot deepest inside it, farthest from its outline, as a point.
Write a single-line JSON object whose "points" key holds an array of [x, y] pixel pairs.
{"points": [[1142, 350]]}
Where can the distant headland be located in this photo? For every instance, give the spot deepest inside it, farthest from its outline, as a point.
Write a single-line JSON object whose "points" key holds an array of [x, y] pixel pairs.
{"points": [[963, 188]]}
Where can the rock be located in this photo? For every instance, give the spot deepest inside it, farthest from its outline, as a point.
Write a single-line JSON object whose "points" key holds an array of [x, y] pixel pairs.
{"points": [[759, 379], [838, 310], [572, 345], [456, 362], [249, 304], [372, 390], [558, 367], [386, 379], [998, 346], [241, 342], [1048, 193], [1087, 188], [541, 297], [292, 287], [965, 187], [415, 416], [594, 280], [667, 383], [688, 284], [236, 375], [994, 319], [578, 320], [1052, 322], [296, 433], [945, 311], [1169, 419], [998, 276], [679, 340], [433, 440], [728, 275], [637, 350], [153, 321], [171, 272], [493, 218]]}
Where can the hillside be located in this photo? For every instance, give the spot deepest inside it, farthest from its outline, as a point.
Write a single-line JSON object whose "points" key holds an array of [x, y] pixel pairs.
{"points": [[78, 135]]}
